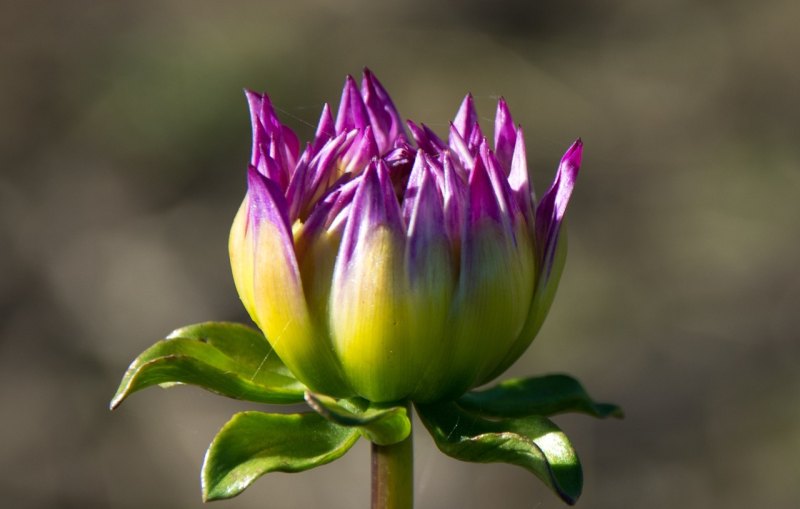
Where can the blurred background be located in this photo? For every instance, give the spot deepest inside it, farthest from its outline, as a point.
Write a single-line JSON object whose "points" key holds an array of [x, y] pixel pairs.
{"points": [[124, 136]]}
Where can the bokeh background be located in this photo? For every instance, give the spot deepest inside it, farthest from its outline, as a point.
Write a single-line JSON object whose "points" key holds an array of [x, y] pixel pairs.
{"points": [[123, 141]]}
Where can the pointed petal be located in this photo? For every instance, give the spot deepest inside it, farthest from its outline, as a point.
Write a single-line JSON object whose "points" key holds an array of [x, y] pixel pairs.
{"points": [[414, 182], [425, 226], [291, 147], [459, 147], [254, 102], [431, 275], [494, 288], [268, 167], [268, 281], [386, 123], [352, 112], [296, 195], [311, 179], [518, 178], [504, 135], [326, 129], [551, 248], [482, 199], [550, 211], [425, 138], [267, 205], [502, 190], [367, 298], [363, 149], [270, 135], [476, 137], [455, 202], [466, 118]]}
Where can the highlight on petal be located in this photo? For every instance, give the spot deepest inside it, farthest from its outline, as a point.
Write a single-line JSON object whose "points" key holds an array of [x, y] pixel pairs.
{"points": [[460, 148], [363, 149], [505, 135], [386, 122], [493, 292], [352, 112], [425, 138], [551, 248], [466, 118], [431, 275], [326, 128], [368, 306], [551, 209], [502, 191], [273, 286], [454, 193], [519, 178]]}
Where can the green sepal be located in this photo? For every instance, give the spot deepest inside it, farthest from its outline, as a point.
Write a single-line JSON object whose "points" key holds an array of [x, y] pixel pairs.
{"points": [[382, 425], [252, 444], [227, 358], [544, 395], [532, 442]]}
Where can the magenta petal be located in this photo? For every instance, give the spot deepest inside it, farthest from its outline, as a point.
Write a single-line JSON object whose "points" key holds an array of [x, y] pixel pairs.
{"points": [[551, 209], [326, 129], [482, 198], [418, 170], [383, 115], [460, 148], [504, 135], [425, 138], [466, 118], [297, 188], [502, 191], [518, 178], [454, 194], [270, 168], [426, 225], [352, 112], [254, 101], [476, 137], [373, 206], [363, 149], [291, 145], [321, 168], [266, 203]]}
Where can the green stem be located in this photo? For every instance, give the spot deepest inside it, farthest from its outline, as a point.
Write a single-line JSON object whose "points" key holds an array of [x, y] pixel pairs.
{"points": [[393, 474]]}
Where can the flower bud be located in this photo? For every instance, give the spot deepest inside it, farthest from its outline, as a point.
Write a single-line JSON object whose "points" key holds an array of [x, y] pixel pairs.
{"points": [[394, 269]]}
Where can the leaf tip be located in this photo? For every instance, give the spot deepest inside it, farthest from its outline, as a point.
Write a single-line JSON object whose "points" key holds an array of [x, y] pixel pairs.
{"points": [[118, 398]]}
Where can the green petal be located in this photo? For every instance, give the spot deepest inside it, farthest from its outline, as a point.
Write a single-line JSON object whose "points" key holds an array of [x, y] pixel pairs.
{"points": [[544, 395], [383, 425], [533, 442], [227, 358], [252, 444]]}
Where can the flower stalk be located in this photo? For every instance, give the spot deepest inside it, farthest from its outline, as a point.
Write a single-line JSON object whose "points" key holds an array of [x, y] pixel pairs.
{"points": [[393, 474]]}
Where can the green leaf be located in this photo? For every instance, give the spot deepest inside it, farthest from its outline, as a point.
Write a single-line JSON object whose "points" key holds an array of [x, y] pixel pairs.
{"points": [[532, 442], [227, 358], [545, 395], [383, 425], [252, 444]]}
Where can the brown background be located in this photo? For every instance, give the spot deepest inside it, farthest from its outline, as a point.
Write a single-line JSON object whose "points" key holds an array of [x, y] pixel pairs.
{"points": [[123, 140]]}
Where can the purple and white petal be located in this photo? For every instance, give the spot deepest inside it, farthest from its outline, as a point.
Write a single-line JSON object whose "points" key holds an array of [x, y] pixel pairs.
{"points": [[386, 123], [326, 129], [519, 178], [466, 118], [505, 135], [352, 112], [551, 209]]}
